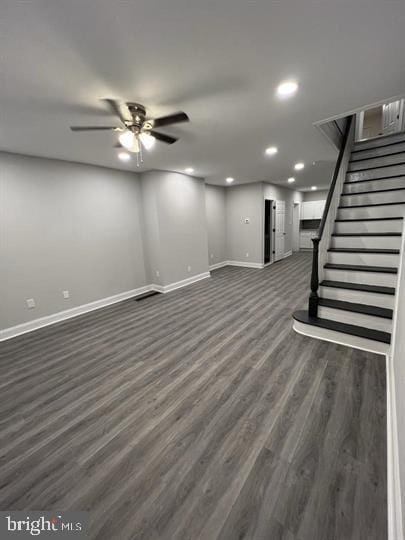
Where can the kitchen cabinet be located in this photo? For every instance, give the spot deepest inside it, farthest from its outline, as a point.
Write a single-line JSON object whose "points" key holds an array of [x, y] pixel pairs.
{"points": [[312, 209], [306, 239]]}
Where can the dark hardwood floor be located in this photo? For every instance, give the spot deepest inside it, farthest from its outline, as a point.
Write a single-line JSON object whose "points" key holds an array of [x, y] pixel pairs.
{"points": [[199, 414]]}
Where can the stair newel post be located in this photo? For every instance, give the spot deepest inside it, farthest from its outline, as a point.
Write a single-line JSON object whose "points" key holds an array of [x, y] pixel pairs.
{"points": [[313, 297]]}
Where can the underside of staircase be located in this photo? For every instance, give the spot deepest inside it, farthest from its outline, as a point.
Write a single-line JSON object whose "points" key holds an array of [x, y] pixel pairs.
{"points": [[357, 292]]}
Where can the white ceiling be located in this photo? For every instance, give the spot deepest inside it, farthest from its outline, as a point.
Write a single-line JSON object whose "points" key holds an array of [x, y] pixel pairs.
{"points": [[218, 60]]}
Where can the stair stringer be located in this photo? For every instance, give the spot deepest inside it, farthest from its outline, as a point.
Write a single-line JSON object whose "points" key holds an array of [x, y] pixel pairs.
{"points": [[325, 242]]}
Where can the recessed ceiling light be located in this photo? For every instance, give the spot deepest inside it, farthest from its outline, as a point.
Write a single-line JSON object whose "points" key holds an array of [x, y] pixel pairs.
{"points": [[229, 180], [299, 166], [271, 150], [124, 156], [314, 188], [287, 89], [189, 170], [291, 180]]}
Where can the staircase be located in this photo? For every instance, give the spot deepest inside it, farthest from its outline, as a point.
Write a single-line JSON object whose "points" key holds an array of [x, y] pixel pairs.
{"points": [[354, 300]]}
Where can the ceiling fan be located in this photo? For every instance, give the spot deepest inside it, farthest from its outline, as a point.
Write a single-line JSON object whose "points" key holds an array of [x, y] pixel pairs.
{"points": [[137, 131]]}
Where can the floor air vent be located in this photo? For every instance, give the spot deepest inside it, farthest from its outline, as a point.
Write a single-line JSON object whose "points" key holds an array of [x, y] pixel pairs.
{"points": [[146, 295]]}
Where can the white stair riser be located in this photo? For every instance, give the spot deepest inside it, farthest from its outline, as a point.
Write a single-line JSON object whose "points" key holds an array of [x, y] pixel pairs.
{"points": [[371, 185], [367, 278], [339, 337], [392, 210], [370, 242], [389, 225], [382, 172], [358, 319], [382, 151], [380, 141], [373, 198], [378, 161], [358, 297], [368, 259]]}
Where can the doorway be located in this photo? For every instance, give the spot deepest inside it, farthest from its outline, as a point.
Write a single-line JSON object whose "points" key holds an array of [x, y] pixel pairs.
{"points": [[268, 230], [381, 120], [274, 230]]}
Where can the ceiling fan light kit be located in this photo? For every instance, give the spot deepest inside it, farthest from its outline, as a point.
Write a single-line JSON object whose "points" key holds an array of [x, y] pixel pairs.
{"points": [[137, 131]]}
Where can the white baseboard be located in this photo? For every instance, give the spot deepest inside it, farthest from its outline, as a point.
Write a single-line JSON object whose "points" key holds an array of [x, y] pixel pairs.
{"points": [[177, 285], [30, 326], [218, 265], [288, 254], [245, 264], [394, 502]]}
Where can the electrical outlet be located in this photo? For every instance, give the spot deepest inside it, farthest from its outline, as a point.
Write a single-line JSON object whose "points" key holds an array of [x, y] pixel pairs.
{"points": [[247, 254], [30, 303], [66, 294], [188, 268], [157, 273], [212, 255]]}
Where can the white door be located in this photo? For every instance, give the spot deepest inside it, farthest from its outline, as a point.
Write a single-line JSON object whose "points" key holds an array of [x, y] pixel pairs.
{"points": [[296, 227], [280, 230], [391, 117]]}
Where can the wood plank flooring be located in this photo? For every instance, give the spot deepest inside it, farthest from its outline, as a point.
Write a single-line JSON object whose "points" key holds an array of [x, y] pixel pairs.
{"points": [[199, 414]]}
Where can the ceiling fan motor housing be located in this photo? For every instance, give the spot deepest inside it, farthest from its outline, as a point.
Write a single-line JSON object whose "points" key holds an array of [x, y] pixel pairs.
{"points": [[138, 113]]}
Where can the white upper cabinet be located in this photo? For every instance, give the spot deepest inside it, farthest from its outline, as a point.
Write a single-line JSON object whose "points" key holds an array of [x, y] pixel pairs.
{"points": [[312, 209]]}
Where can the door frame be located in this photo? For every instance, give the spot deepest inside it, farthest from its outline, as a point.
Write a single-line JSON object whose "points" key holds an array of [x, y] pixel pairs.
{"points": [[272, 232]]}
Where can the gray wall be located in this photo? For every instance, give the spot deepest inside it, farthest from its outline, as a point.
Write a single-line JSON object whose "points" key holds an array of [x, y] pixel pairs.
{"points": [[66, 226], [215, 205], [176, 227], [245, 201], [280, 193], [319, 195]]}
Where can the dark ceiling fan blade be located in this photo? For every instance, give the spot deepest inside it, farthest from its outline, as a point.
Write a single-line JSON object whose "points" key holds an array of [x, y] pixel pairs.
{"points": [[168, 139], [116, 109], [93, 128], [176, 118]]}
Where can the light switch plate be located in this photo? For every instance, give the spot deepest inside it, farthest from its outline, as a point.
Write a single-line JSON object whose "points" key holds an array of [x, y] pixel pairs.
{"points": [[66, 294], [30, 303]]}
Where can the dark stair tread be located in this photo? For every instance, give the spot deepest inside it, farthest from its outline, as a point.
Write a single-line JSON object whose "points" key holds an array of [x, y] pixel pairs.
{"points": [[386, 140], [373, 204], [375, 179], [371, 219], [377, 167], [369, 234], [373, 191], [351, 329], [358, 287], [365, 309], [366, 250], [398, 153], [362, 268], [390, 176]]}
